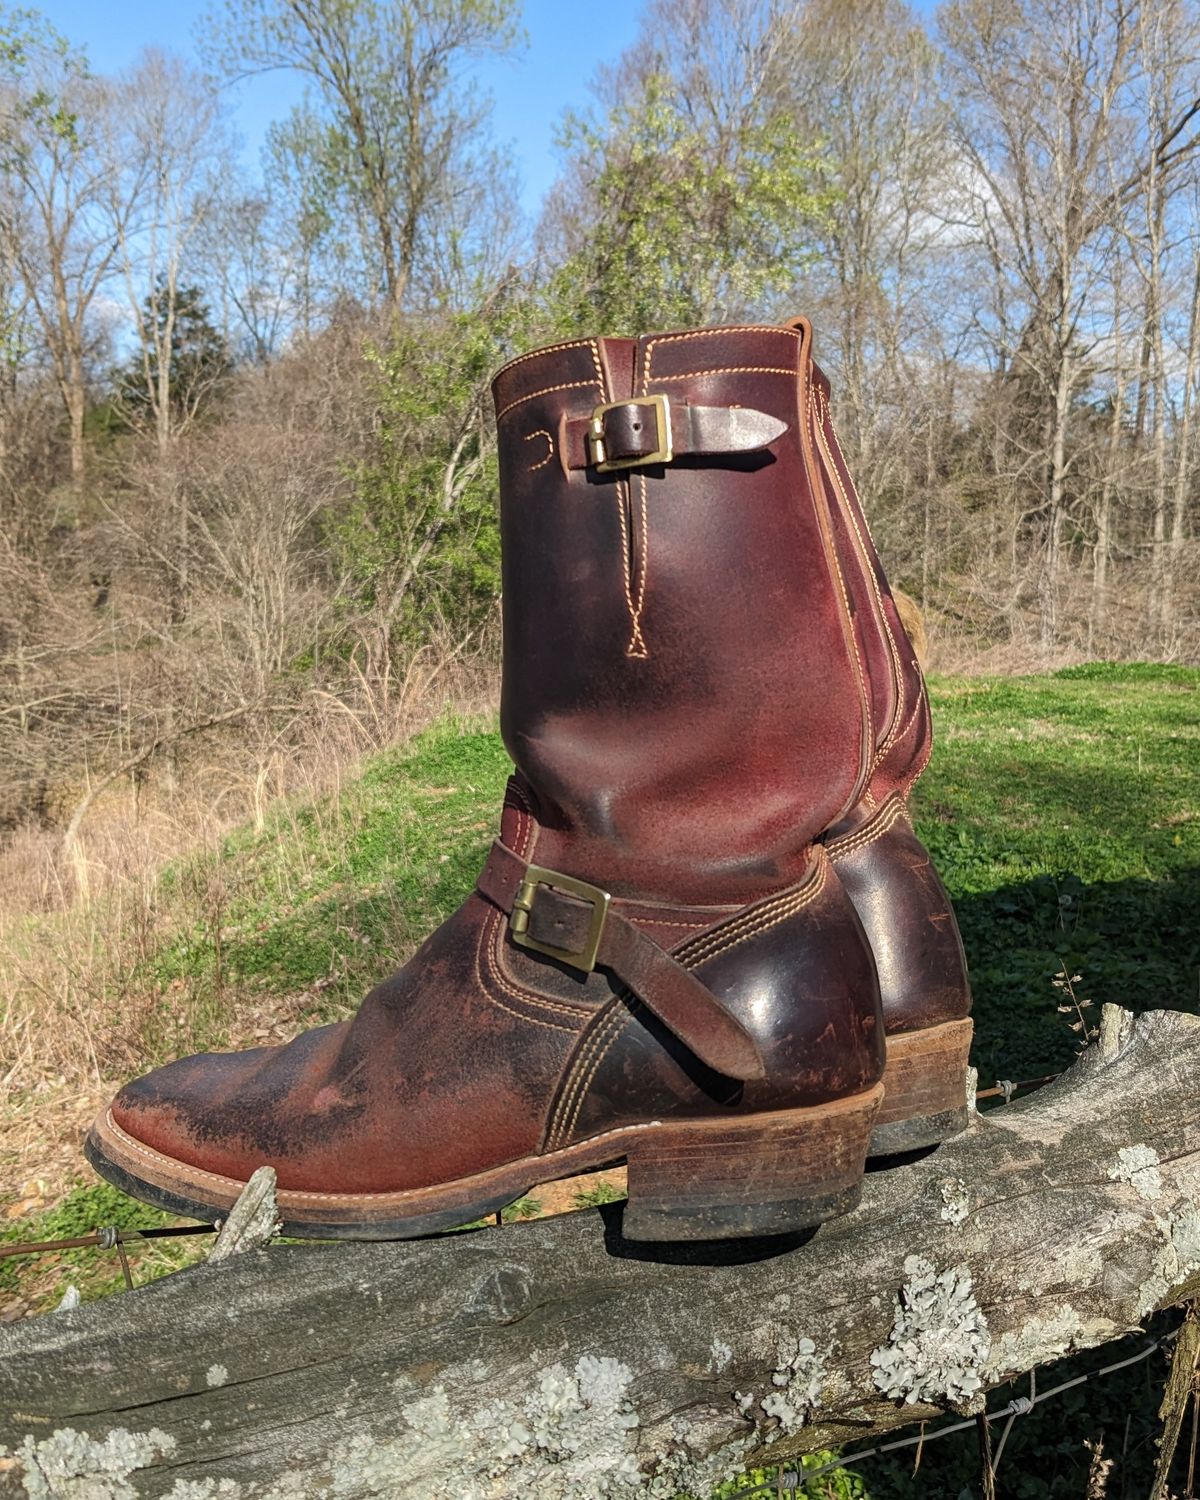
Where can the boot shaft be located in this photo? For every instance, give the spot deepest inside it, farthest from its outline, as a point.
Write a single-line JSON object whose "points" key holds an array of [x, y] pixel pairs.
{"points": [[685, 693]]}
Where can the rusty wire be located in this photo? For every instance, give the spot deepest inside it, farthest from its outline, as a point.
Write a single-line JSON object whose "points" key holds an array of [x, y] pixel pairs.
{"points": [[109, 1237], [797, 1481]]}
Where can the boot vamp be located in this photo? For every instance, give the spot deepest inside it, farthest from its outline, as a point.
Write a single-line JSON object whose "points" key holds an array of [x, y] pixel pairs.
{"points": [[437, 1076]]}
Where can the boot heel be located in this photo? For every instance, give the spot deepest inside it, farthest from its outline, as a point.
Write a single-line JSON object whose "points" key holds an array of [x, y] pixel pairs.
{"points": [[764, 1174], [925, 1088]]}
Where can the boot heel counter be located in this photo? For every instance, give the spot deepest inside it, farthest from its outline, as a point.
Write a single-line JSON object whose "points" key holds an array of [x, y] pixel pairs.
{"points": [[803, 982], [908, 918], [797, 973]]}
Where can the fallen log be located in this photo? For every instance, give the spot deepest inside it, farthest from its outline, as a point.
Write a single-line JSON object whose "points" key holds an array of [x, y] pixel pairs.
{"points": [[555, 1359]]}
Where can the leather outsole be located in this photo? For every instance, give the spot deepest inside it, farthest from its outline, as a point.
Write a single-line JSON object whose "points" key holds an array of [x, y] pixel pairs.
{"points": [[767, 1174]]}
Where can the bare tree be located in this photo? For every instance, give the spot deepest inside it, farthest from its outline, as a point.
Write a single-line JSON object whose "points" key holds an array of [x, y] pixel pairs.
{"points": [[57, 206], [395, 130]]}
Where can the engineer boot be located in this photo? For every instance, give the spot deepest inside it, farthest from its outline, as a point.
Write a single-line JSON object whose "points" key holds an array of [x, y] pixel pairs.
{"points": [[658, 964], [881, 864]]}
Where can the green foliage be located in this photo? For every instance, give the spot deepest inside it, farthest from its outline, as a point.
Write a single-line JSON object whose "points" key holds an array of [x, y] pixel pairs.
{"points": [[39, 62], [388, 133], [523, 1208], [1061, 812], [421, 539], [837, 1484], [691, 223], [330, 896], [594, 1197]]}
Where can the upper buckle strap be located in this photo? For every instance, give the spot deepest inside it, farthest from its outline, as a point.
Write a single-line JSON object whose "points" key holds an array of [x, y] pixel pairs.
{"points": [[627, 434], [648, 430]]}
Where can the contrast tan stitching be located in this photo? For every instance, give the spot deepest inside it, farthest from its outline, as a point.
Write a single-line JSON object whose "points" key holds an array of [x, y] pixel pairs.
{"points": [[537, 353], [682, 338], [749, 917], [483, 951], [726, 370], [541, 433], [577, 1064], [291, 1195], [825, 415], [568, 385], [831, 545], [760, 919], [637, 642], [669, 922], [582, 1092], [598, 367], [570, 1088], [526, 822], [861, 837]]}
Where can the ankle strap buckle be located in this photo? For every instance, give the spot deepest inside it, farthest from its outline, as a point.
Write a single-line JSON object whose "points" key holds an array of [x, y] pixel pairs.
{"points": [[596, 438], [583, 958]]}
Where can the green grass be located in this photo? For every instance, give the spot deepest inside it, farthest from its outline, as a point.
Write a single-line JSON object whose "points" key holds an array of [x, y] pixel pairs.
{"points": [[1062, 811], [1064, 815]]}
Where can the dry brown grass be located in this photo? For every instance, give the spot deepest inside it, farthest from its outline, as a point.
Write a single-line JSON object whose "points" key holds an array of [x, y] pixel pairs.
{"points": [[79, 928]]}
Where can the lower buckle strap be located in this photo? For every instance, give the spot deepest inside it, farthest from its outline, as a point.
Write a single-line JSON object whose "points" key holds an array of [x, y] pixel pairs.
{"points": [[575, 923]]}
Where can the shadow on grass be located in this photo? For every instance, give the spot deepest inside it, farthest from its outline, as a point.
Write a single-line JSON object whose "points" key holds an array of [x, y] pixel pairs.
{"points": [[1135, 943]]}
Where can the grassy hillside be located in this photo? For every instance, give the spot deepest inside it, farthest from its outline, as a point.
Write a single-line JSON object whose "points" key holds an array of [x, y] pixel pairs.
{"points": [[1063, 812]]}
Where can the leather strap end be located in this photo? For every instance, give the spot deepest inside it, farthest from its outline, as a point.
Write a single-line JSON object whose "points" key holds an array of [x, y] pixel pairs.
{"points": [[631, 434]]}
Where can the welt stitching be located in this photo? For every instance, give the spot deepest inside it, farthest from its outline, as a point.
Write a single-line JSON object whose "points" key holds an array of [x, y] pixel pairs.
{"points": [[567, 385], [537, 353], [765, 919], [570, 1088], [819, 425], [861, 837], [484, 950], [541, 432], [290, 1195], [581, 1095]]}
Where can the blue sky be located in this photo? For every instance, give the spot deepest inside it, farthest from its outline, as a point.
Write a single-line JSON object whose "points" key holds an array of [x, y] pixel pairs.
{"points": [[567, 42], [531, 90]]}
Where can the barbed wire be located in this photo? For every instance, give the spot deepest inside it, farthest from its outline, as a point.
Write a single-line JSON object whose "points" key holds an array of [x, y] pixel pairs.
{"points": [[795, 1481]]}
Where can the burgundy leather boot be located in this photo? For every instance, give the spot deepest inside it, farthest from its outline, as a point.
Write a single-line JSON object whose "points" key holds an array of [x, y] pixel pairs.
{"points": [[658, 964], [880, 862]]}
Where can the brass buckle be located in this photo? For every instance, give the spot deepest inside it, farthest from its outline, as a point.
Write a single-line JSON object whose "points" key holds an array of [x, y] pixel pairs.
{"points": [[518, 922], [663, 450]]}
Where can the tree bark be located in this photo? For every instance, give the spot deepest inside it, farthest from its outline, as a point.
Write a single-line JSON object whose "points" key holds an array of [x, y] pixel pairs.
{"points": [[556, 1359]]}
